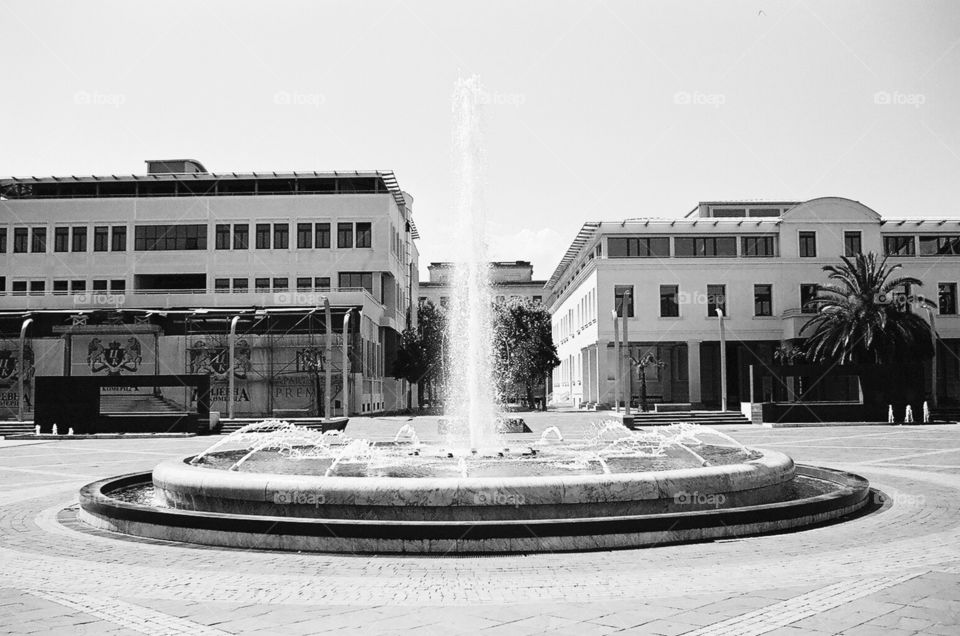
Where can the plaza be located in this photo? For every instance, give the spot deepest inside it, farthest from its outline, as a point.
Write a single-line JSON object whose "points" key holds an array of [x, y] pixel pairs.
{"points": [[893, 570]]}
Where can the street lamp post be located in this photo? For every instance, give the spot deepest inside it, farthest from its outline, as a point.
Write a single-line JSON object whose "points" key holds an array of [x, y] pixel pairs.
{"points": [[346, 364], [933, 371], [328, 356], [626, 346], [723, 362], [618, 365], [232, 349], [23, 368]]}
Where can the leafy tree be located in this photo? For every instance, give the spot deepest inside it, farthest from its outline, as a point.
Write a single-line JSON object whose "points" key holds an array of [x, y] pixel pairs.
{"points": [[524, 349], [864, 315], [420, 355], [646, 360]]}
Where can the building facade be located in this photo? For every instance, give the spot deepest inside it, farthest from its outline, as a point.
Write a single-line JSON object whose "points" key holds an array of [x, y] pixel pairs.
{"points": [[756, 262], [143, 274], [510, 279]]}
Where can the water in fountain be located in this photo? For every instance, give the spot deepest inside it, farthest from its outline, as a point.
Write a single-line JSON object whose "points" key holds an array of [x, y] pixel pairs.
{"points": [[471, 404]]}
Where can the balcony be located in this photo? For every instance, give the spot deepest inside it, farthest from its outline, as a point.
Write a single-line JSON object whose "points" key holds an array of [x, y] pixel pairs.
{"points": [[793, 321], [144, 299]]}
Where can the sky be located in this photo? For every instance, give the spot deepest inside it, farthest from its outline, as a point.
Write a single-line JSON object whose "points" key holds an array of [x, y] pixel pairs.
{"points": [[597, 110]]}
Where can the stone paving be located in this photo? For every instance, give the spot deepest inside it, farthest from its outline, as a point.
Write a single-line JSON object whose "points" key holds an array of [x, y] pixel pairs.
{"points": [[894, 571]]}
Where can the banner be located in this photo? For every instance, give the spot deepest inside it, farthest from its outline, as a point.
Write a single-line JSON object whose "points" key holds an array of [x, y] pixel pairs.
{"points": [[10, 371]]}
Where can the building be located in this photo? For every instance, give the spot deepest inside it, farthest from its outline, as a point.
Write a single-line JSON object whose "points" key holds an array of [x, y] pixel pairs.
{"points": [[143, 274], [756, 262], [510, 279]]}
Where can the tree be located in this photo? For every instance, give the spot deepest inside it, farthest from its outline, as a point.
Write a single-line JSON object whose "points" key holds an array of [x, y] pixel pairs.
{"points": [[864, 315], [420, 355], [523, 345], [646, 360]]}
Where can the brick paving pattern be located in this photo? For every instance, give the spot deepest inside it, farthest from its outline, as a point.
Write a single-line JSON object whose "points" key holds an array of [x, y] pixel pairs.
{"points": [[895, 571]]}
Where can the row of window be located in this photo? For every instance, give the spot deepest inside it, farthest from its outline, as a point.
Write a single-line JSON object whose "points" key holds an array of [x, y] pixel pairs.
{"points": [[352, 280], [716, 299], [62, 287], [929, 245], [166, 237], [690, 246]]}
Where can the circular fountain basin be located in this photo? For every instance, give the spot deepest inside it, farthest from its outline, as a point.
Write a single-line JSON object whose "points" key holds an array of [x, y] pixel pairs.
{"points": [[382, 514]]}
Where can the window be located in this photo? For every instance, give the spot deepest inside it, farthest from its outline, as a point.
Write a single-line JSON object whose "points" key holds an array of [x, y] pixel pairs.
{"points": [[322, 283], [304, 284], [851, 243], [808, 291], [344, 234], [669, 305], [38, 240], [763, 300], [263, 236], [3, 240], [281, 236], [364, 235], [947, 293], [118, 241], [322, 235], [262, 284], [933, 245], [221, 285], [61, 239], [241, 285], [153, 238], [241, 236], [280, 284], [101, 238], [60, 287], [899, 246], [707, 246], [716, 299], [759, 246], [118, 285], [639, 247], [538, 299], [79, 239], [621, 293], [19, 288], [808, 244], [100, 285], [304, 236], [19, 240], [357, 279], [78, 286], [37, 287], [222, 237]]}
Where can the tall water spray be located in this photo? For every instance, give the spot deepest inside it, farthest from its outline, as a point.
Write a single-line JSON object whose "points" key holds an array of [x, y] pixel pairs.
{"points": [[471, 399]]}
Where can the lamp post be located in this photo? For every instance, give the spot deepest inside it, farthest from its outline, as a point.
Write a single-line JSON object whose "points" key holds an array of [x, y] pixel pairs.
{"points": [[616, 373], [933, 372], [723, 362], [328, 355], [346, 364], [626, 345], [231, 370], [23, 337]]}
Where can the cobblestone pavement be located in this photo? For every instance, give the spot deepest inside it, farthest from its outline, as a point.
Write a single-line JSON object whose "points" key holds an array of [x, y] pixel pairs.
{"points": [[895, 571]]}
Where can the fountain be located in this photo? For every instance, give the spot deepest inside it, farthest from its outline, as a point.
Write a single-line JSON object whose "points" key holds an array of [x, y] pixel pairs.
{"points": [[276, 485]]}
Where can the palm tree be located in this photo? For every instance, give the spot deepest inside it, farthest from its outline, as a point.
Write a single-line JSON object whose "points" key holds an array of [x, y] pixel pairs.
{"points": [[864, 316]]}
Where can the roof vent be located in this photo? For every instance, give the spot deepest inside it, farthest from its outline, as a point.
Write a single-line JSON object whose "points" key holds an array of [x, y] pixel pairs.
{"points": [[174, 166]]}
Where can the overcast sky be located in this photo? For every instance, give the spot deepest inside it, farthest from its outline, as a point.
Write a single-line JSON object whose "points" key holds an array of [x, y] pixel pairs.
{"points": [[598, 110]]}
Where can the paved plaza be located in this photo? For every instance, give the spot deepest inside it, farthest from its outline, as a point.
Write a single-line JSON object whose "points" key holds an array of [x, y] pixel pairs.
{"points": [[893, 571]]}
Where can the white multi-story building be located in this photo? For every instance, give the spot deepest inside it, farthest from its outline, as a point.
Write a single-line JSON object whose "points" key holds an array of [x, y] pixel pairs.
{"points": [[758, 263], [509, 279], [143, 274]]}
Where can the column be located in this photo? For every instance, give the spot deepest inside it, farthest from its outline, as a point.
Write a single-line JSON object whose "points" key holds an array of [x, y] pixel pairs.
{"points": [[693, 372]]}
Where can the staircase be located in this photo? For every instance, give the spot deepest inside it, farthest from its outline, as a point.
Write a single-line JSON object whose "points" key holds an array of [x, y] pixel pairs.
{"points": [[13, 427], [949, 414], [706, 418], [138, 404]]}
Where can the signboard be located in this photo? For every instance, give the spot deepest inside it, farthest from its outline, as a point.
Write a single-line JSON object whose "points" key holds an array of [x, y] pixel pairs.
{"points": [[10, 370], [117, 354]]}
